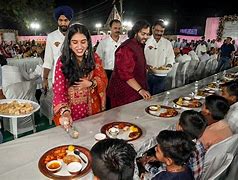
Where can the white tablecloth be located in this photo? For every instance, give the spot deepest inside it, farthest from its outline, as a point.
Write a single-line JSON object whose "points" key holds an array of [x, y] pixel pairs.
{"points": [[19, 158]]}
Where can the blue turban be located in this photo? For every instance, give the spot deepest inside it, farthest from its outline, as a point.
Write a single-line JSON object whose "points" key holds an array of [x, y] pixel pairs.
{"points": [[63, 10]]}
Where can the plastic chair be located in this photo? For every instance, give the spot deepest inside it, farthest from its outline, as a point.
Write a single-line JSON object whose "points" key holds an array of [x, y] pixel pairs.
{"points": [[219, 157], [190, 71], [181, 74], [199, 73], [170, 82], [11, 75], [21, 90], [46, 107]]}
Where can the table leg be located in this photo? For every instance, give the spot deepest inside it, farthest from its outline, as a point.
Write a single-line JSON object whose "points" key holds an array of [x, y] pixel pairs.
{"points": [[13, 126]]}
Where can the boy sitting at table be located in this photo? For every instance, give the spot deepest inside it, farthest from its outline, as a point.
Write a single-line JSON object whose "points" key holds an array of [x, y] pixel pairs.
{"points": [[191, 123], [174, 149], [230, 92], [113, 159], [214, 110]]}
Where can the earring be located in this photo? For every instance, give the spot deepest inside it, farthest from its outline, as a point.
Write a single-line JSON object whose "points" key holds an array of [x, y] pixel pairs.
{"points": [[86, 54]]}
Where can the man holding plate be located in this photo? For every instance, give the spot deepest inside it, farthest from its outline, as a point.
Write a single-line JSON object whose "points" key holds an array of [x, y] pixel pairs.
{"points": [[160, 57]]}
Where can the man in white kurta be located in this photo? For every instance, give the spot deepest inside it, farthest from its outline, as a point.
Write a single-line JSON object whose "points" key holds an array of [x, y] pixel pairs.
{"points": [[158, 52], [107, 47], [54, 42]]}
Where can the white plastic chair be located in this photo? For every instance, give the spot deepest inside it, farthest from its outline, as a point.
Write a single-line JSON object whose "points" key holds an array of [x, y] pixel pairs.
{"points": [[208, 68], [219, 157], [171, 75], [21, 90], [190, 71], [181, 73], [11, 75], [46, 107], [200, 70]]}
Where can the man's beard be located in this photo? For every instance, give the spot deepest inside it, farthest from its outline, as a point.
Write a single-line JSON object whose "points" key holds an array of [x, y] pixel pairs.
{"points": [[141, 40], [63, 29]]}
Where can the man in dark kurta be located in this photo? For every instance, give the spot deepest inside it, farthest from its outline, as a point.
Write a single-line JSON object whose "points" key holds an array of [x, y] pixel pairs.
{"points": [[128, 82]]}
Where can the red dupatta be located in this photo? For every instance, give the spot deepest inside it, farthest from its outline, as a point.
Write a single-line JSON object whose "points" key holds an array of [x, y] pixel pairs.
{"points": [[71, 97]]}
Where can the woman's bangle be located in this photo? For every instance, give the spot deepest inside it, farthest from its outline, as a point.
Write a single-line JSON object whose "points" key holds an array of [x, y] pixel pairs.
{"points": [[139, 90], [94, 84], [64, 109]]}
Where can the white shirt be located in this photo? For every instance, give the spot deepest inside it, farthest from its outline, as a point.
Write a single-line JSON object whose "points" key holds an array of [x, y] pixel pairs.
{"points": [[193, 55], [232, 117], [159, 53], [183, 58], [200, 48], [106, 50], [205, 57], [54, 43]]}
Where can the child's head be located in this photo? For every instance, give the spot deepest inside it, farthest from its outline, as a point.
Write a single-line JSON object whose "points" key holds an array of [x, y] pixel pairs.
{"points": [[174, 147], [113, 159], [193, 123], [215, 108], [230, 91]]}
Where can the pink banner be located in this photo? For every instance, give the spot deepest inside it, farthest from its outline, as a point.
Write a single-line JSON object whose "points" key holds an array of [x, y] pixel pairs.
{"points": [[30, 38], [95, 38], [211, 27]]}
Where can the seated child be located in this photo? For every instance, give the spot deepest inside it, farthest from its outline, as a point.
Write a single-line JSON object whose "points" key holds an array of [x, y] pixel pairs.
{"points": [[193, 124], [214, 109], [113, 159], [174, 149], [230, 92]]}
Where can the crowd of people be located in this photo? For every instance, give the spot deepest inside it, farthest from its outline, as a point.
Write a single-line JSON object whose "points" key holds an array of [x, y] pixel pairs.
{"points": [[118, 73], [22, 49]]}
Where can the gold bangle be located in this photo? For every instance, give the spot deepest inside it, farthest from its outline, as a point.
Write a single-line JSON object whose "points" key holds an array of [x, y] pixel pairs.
{"points": [[94, 84]]}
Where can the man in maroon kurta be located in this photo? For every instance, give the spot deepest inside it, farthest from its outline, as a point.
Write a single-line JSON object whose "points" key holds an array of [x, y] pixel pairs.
{"points": [[128, 82]]}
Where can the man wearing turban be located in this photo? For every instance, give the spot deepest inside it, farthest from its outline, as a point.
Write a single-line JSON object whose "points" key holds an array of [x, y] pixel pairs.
{"points": [[63, 16]]}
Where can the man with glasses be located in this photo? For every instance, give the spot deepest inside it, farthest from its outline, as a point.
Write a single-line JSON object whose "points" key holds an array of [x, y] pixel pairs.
{"points": [[158, 53]]}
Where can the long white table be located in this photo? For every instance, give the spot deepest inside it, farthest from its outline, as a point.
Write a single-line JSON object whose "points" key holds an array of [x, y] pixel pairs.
{"points": [[19, 158]]}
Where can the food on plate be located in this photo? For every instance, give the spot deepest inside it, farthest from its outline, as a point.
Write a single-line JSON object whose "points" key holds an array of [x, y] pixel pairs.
{"points": [[230, 75], [201, 93], [133, 129], [180, 101], [54, 165], [126, 128], [71, 158], [212, 85], [121, 125], [170, 112], [193, 103], [161, 68], [155, 107], [134, 134], [59, 153], [71, 148], [15, 108]]}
